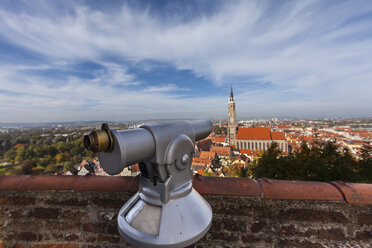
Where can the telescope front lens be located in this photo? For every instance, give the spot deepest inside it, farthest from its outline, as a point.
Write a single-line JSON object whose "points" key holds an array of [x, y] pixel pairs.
{"points": [[97, 141], [88, 140]]}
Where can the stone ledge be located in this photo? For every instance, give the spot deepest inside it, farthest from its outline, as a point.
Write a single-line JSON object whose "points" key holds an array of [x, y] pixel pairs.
{"points": [[299, 190], [352, 193]]}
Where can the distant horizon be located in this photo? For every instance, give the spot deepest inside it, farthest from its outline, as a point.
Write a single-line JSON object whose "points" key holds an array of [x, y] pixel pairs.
{"points": [[138, 60], [190, 119]]}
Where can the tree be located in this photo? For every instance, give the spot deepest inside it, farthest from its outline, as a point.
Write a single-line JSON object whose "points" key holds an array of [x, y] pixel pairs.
{"points": [[269, 165], [10, 155], [219, 130], [232, 169], [68, 165], [13, 172], [27, 166], [320, 162], [51, 168], [365, 164], [208, 173]]}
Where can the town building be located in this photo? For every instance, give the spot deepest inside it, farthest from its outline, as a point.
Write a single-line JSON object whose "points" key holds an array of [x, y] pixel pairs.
{"points": [[255, 139], [260, 139], [222, 151]]}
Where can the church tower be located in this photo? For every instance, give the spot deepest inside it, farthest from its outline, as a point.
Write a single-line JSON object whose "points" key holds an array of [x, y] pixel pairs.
{"points": [[231, 122]]}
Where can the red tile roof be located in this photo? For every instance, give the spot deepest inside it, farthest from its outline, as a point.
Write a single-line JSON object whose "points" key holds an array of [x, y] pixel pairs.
{"points": [[219, 139], [197, 161], [253, 133], [207, 155], [284, 127], [258, 133], [221, 150], [204, 145], [250, 152], [306, 138], [246, 151], [277, 136]]}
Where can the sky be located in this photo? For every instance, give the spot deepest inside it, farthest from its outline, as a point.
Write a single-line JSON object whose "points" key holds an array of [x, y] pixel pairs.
{"points": [[139, 60]]}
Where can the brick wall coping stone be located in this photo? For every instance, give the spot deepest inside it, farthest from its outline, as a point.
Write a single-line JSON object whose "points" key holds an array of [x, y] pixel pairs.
{"points": [[352, 193]]}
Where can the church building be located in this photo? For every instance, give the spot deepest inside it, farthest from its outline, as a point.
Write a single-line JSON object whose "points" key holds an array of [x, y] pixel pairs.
{"points": [[252, 138]]}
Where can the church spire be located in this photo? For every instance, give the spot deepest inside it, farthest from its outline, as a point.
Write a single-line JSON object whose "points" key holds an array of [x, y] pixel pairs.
{"points": [[231, 95], [231, 122]]}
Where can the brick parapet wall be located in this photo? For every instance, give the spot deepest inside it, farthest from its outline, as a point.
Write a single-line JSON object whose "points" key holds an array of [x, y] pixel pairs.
{"points": [[72, 211]]}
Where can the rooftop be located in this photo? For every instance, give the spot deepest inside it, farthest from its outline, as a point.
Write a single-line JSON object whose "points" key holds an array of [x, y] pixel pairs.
{"points": [[258, 133]]}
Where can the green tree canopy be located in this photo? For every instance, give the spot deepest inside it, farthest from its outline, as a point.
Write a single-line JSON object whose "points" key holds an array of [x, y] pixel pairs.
{"points": [[320, 162], [27, 166]]}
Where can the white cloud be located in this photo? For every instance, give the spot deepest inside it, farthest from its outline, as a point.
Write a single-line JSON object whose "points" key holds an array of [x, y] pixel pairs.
{"points": [[315, 54]]}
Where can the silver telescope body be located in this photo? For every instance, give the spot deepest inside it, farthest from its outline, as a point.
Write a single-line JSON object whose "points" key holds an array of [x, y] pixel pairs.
{"points": [[166, 211], [135, 145]]}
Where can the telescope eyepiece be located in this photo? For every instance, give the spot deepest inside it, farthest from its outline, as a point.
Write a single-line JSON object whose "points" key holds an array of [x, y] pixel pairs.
{"points": [[99, 140]]}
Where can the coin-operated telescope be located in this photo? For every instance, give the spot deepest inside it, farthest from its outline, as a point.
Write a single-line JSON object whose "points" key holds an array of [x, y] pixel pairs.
{"points": [[167, 211]]}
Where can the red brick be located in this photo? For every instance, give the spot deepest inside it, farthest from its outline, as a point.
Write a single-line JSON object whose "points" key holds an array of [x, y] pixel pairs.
{"points": [[72, 237], [247, 239], [235, 225], [19, 213], [288, 243], [45, 213], [46, 182], [332, 234], [312, 215], [237, 209], [1, 245], [55, 246], [62, 226], [105, 238], [226, 186], [70, 214], [363, 235], [108, 203], [216, 225], [102, 183], [288, 230], [18, 245], [355, 193], [89, 239], [94, 227], [299, 190], [26, 236], [295, 243], [15, 200], [364, 219], [292, 231], [231, 209], [68, 202], [25, 225], [225, 236], [11, 182], [107, 216], [309, 232], [112, 228], [257, 226], [57, 236]]}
